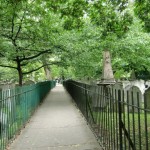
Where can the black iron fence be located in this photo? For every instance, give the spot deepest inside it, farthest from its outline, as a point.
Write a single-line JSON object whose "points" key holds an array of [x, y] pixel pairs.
{"points": [[16, 107], [120, 118]]}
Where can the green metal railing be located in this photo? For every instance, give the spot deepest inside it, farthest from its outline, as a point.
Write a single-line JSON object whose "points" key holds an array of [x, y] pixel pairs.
{"points": [[16, 107]]}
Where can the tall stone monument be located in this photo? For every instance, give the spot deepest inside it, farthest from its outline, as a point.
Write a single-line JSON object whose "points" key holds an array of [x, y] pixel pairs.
{"points": [[107, 74], [107, 79]]}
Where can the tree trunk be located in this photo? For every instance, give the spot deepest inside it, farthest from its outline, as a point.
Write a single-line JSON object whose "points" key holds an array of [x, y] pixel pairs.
{"points": [[47, 68], [20, 77], [47, 73], [20, 74]]}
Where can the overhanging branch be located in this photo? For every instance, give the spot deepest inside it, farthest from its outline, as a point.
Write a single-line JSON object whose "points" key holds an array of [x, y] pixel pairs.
{"points": [[54, 63], [6, 66], [32, 57], [13, 24], [1, 55], [20, 26]]}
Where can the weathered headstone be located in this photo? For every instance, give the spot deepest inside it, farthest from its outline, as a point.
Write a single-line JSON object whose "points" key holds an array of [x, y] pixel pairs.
{"points": [[147, 98], [97, 97], [134, 99], [115, 97], [29, 82], [132, 76]]}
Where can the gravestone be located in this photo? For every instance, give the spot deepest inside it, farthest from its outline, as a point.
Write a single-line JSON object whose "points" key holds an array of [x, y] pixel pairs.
{"points": [[115, 97], [134, 99], [147, 98], [29, 82], [132, 76], [98, 98]]}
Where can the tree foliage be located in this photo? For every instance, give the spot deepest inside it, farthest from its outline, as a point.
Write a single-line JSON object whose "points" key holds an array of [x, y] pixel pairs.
{"points": [[72, 35], [26, 34], [112, 16], [142, 10], [133, 52]]}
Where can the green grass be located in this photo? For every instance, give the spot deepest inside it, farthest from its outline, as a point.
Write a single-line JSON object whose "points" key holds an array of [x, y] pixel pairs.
{"points": [[135, 125]]}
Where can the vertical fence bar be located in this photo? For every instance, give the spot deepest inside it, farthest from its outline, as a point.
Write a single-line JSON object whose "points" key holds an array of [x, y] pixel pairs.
{"points": [[106, 114], [128, 116], [86, 103], [133, 118], [103, 115], [145, 119], [114, 127], [111, 119], [116, 118], [124, 117], [0, 117], [100, 112], [139, 121], [120, 120]]}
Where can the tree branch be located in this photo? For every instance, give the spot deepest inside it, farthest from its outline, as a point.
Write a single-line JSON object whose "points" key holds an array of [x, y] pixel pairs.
{"points": [[2, 55], [54, 63], [19, 28], [6, 66], [32, 57], [12, 28]]}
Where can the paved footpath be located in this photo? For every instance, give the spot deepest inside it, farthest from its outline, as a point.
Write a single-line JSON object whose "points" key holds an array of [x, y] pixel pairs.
{"points": [[56, 125]]}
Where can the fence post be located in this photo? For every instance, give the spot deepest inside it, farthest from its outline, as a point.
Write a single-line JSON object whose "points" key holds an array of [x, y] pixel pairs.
{"points": [[120, 119], [146, 98], [86, 103]]}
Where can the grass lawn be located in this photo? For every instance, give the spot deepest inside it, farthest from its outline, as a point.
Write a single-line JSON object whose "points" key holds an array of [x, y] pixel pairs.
{"points": [[137, 125]]}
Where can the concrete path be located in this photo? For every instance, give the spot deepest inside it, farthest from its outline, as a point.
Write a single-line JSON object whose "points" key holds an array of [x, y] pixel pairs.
{"points": [[56, 125]]}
